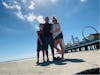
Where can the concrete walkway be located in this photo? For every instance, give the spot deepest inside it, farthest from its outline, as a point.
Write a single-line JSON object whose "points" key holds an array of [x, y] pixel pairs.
{"points": [[73, 63]]}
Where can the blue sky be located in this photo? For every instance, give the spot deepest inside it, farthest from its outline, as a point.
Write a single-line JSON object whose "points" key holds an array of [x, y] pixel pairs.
{"points": [[19, 21]]}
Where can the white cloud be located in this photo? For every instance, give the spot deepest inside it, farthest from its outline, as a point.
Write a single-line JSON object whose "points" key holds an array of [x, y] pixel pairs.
{"points": [[83, 0], [24, 1], [40, 19], [15, 1], [30, 17], [16, 6], [20, 15], [42, 2], [32, 5], [53, 1], [7, 6]]}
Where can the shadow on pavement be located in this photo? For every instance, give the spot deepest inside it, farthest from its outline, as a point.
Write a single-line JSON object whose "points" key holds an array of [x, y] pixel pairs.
{"points": [[75, 60], [61, 62]]}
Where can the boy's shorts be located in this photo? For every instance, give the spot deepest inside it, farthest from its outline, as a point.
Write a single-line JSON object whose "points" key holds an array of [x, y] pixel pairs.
{"points": [[40, 47]]}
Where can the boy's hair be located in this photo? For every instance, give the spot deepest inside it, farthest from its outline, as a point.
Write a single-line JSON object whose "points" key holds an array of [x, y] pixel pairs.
{"points": [[40, 24]]}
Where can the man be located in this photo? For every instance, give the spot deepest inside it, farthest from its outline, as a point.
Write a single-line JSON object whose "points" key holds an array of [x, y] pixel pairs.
{"points": [[48, 37]]}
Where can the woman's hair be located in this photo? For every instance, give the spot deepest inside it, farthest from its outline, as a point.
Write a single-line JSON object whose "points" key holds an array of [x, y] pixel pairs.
{"points": [[54, 19]]}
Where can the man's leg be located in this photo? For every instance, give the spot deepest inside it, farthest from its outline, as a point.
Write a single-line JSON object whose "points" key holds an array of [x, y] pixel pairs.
{"points": [[47, 55], [43, 56], [46, 47], [51, 42]]}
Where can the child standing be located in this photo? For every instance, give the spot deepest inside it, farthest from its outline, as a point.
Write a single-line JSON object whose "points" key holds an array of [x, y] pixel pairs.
{"points": [[40, 45]]}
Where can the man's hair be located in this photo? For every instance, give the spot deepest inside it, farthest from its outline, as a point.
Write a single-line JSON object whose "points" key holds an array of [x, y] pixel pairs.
{"points": [[47, 17]]}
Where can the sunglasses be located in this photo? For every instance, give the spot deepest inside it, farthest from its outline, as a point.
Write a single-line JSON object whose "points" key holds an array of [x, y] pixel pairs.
{"points": [[54, 20]]}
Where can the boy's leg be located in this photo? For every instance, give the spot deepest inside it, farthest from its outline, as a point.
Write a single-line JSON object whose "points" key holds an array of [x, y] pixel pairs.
{"points": [[38, 57]]}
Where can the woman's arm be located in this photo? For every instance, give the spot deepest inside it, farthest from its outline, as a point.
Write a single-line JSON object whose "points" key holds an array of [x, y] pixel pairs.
{"points": [[57, 29]]}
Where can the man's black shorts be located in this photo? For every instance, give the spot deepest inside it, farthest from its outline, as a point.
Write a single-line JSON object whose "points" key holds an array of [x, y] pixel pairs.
{"points": [[49, 41]]}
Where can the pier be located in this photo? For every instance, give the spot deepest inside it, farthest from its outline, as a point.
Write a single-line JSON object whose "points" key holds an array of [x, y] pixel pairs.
{"points": [[91, 44]]}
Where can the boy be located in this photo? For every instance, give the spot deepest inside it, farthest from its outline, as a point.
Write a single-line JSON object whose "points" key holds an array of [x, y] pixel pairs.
{"points": [[40, 43]]}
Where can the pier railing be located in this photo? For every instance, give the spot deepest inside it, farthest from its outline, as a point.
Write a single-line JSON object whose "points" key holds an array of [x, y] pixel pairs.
{"points": [[92, 45]]}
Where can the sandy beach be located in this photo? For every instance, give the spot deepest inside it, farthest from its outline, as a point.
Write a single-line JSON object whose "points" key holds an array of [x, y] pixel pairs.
{"points": [[72, 64]]}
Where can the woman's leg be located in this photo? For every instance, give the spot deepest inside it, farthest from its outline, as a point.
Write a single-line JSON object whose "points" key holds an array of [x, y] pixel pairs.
{"points": [[55, 46], [61, 45]]}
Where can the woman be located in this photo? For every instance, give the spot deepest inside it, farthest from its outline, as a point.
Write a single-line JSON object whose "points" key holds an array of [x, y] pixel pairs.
{"points": [[58, 36]]}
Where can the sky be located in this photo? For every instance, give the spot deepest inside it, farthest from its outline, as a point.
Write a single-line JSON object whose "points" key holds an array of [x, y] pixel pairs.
{"points": [[19, 20]]}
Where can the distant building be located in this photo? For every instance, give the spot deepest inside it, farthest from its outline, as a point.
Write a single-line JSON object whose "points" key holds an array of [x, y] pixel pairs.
{"points": [[90, 38], [93, 37]]}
